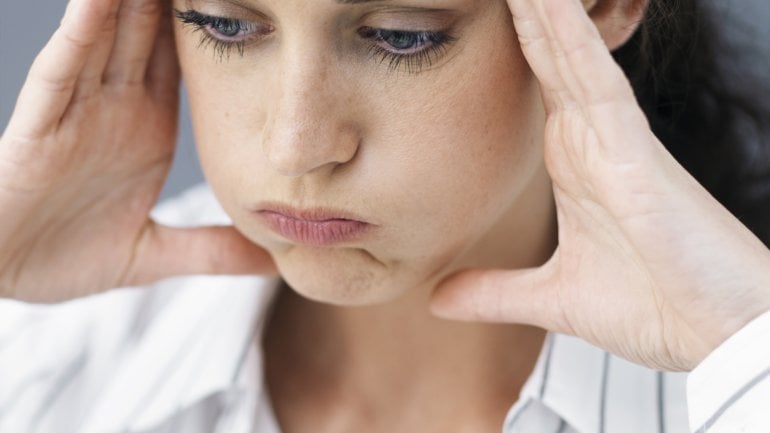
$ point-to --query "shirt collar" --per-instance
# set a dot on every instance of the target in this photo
(571, 383)
(592, 391)
(206, 338)
(566, 384)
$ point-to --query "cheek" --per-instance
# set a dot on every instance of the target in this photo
(442, 158)
(468, 143)
(227, 125)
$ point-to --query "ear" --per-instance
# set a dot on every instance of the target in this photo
(617, 20)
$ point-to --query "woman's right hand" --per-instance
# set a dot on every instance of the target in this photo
(85, 156)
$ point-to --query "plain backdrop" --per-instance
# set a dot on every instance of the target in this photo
(25, 25)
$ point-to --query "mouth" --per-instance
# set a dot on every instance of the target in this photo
(313, 227)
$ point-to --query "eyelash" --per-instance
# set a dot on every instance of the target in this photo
(414, 60)
(205, 24)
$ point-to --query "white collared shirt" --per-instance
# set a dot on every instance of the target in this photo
(180, 356)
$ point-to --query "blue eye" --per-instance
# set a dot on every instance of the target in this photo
(224, 33)
(229, 28)
(402, 40)
(413, 49)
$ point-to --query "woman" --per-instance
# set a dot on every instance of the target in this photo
(370, 151)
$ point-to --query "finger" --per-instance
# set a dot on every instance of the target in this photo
(589, 68)
(163, 71)
(91, 77)
(526, 296)
(536, 46)
(54, 74)
(558, 55)
(164, 252)
(138, 22)
(594, 79)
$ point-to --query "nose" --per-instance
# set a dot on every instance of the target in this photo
(310, 126)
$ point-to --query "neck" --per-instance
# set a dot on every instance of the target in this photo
(397, 362)
(396, 366)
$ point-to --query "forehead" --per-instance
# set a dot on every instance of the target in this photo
(307, 4)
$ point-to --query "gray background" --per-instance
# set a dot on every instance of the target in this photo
(25, 25)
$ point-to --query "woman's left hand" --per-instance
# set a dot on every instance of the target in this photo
(649, 265)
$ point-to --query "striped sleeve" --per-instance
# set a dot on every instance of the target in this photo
(730, 390)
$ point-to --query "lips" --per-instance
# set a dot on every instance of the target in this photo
(314, 227)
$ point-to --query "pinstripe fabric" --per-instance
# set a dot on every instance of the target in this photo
(740, 369)
(179, 357)
(590, 391)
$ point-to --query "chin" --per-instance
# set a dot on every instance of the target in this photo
(342, 278)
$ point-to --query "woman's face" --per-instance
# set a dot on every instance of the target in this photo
(372, 147)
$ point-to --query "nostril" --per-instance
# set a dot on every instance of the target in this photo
(297, 148)
(287, 169)
(288, 159)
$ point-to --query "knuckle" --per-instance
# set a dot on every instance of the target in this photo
(86, 92)
(143, 7)
(584, 48)
(110, 23)
(58, 84)
(76, 40)
(528, 40)
(124, 80)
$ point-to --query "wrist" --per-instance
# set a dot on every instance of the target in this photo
(730, 326)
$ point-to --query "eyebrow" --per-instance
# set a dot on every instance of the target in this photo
(355, 2)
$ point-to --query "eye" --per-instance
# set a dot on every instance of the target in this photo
(403, 41)
(415, 49)
(230, 29)
(223, 33)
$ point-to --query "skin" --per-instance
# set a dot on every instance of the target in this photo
(648, 265)
(81, 167)
(442, 164)
(641, 254)
(308, 118)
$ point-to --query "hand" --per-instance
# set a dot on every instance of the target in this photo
(84, 158)
(649, 266)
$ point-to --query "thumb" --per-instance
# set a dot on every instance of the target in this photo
(526, 296)
(163, 252)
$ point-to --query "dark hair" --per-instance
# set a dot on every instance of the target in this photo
(704, 104)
